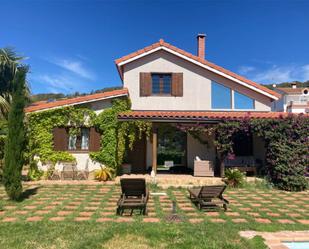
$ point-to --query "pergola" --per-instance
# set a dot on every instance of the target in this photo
(190, 117)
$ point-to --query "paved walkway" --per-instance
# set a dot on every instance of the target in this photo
(98, 203)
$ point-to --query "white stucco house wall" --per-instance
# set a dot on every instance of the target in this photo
(168, 85)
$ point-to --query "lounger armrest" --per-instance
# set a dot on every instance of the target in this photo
(192, 193)
(223, 199)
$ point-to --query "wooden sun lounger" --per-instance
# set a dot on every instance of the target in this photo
(134, 195)
(208, 197)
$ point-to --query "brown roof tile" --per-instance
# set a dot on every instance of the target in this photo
(43, 105)
(199, 115)
(162, 43)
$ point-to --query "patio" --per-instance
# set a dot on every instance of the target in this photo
(97, 203)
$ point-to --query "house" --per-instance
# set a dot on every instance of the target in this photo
(293, 99)
(169, 87)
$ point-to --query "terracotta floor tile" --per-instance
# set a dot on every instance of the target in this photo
(239, 220)
(124, 219)
(231, 213)
(21, 212)
(86, 214)
(57, 218)
(212, 214)
(35, 218)
(151, 220)
(196, 220)
(42, 212)
(64, 213)
(82, 218)
(245, 209)
(104, 219)
(262, 220)
(9, 219)
(253, 214)
(306, 222)
(107, 213)
(285, 221)
(30, 207)
(217, 220)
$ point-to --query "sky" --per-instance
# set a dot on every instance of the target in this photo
(71, 45)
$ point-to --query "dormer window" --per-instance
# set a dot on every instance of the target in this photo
(161, 84)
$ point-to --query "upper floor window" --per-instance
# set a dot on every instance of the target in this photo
(242, 101)
(161, 83)
(221, 96)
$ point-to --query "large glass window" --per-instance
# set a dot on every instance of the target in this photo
(161, 83)
(242, 101)
(220, 96)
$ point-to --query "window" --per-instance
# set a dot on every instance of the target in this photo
(220, 96)
(79, 141)
(242, 101)
(161, 84)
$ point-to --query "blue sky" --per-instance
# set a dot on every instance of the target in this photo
(71, 45)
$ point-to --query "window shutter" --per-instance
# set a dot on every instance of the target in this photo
(145, 84)
(94, 140)
(177, 84)
(60, 139)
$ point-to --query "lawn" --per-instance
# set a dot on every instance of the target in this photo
(83, 216)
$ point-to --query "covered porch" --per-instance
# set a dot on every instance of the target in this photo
(175, 150)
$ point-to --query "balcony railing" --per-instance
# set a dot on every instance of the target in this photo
(296, 99)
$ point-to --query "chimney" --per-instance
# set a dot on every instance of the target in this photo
(201, 45)
(294, 85)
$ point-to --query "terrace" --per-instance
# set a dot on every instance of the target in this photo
(93, 207)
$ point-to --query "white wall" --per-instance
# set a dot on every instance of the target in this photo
(196, 85)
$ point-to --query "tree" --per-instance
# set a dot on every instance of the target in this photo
(10, 64)
(15, 142)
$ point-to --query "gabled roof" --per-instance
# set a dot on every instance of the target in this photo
(45, 105)
(196, 60)
(290, 90)
(201, 116)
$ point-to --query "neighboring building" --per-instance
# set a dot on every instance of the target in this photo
(168, 85)
(294, 99)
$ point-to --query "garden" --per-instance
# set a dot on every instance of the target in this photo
(83, 216)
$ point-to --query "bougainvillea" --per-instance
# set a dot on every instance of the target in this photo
(287, 146)
(286, 142)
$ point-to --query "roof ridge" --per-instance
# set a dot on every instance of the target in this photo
(162, 43)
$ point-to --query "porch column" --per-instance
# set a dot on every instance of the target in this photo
(154, 148)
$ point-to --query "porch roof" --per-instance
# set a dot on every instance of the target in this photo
(200, 116)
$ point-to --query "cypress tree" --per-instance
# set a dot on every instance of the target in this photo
(15, 142)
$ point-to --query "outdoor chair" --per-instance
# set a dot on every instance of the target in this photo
(83, 174)
(69, 171)
(208, 197)
(134, 195)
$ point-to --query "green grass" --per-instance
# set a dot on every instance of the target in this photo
(137, 233)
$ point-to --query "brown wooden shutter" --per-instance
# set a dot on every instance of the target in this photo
(145, 84)
(177, 84)
(60, 139)
(94, 140)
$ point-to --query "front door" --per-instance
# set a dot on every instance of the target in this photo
(137, 156)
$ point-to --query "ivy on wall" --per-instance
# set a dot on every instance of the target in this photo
(117, 136)
(40, 131)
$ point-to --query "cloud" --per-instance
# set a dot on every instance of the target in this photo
(245, 69)
(277, 74)
(74, 66)
(56, 83)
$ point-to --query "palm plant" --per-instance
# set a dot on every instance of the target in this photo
(10, 64)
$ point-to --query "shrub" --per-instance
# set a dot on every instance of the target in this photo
(15, 142)
(104, 174)
(234, 178)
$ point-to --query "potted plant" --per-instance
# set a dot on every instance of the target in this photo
(104, 174)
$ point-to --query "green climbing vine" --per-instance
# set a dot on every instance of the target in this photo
(40, 131)
(117, 136)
